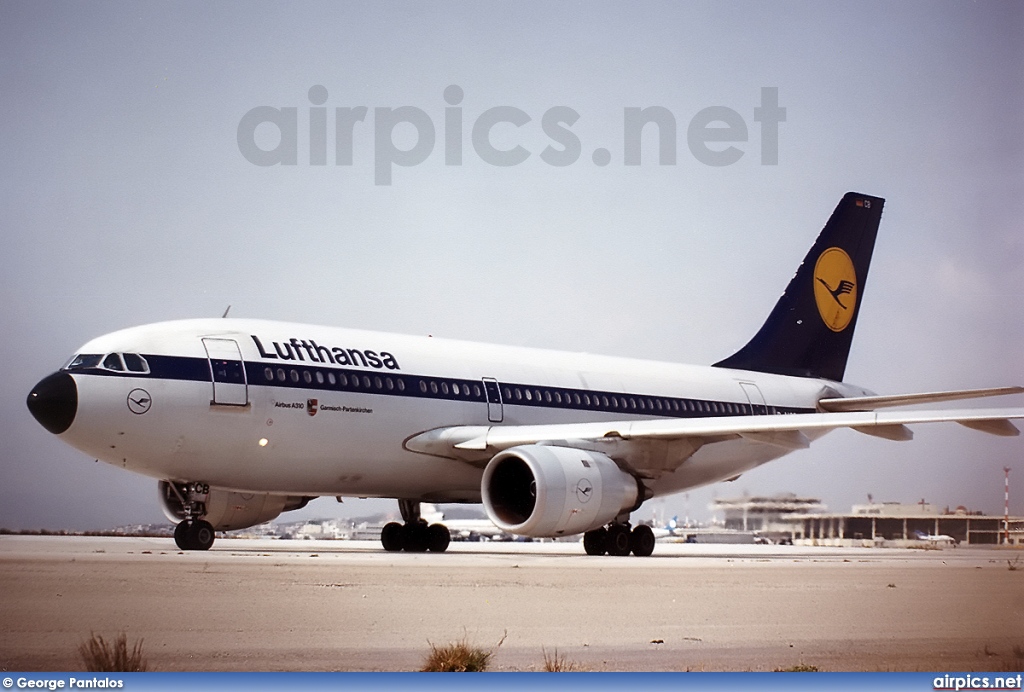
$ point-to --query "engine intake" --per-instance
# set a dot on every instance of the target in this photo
(545, 491)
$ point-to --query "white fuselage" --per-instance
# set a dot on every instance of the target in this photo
(297, 424)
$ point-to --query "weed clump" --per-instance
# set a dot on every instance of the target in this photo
(558, 663)
(459, 657)
(99, 656)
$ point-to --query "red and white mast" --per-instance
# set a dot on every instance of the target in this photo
(1006, 508)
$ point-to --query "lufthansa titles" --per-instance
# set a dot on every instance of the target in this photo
(311, 351)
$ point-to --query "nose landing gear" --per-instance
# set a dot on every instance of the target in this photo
(188, 501)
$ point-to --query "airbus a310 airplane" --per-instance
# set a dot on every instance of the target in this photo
(241, 420)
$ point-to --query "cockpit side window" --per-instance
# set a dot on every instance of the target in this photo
(135, 363)
(84, 361)
(113, 362)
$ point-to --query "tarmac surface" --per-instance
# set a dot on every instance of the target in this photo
(269, 605)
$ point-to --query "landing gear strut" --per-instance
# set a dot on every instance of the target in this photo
(414, 536)
(618, 539)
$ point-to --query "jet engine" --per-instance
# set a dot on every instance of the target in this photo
(224, 509)
(544, 491)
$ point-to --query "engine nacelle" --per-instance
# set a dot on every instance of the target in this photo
(228, 510)
(544, 491)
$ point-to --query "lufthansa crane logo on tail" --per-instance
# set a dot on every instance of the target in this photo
(835, 288)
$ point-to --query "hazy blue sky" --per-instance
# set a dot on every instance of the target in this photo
(127, 200)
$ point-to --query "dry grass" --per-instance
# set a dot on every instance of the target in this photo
(557, 663)
(459, 657)
(98, 656)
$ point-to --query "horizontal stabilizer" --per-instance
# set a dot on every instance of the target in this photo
(870, 403)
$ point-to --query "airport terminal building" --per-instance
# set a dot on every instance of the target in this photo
(787, 518)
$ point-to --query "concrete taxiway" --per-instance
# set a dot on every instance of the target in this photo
(257, 605)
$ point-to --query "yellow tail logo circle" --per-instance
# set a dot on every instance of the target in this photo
(835, 288)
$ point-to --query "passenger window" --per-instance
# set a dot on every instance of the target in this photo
(295, 375)
(331, 378)
(113, 362)
(319, 377)
(268, 373)
(366, 381)
(390, 383)
(280, 375)
(423, 386)
(401, 385)
(455, 388)
(378, 383)
(444, 388)
(307, 376)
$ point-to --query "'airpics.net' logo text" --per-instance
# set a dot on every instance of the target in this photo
(711, 134)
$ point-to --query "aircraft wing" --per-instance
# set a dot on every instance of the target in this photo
(653, 447)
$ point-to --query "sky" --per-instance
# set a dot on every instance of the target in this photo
(132, 192)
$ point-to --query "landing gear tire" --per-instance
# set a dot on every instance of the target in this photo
(617, 542)
(194, 535)
(415, 535)
(181, 536)
(392, 537)
(201, 535)
(438, 538)
(641, 541)
(594, 542)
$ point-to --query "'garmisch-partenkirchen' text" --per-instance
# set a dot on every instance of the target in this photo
(293, 349)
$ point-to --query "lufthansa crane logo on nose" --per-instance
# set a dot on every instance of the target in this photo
(139, 401)
(584, 491)
(835, 288)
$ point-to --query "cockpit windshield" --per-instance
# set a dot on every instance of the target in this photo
(113, 362)
(83, 361)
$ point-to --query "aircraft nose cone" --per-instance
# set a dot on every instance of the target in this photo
(54, 402)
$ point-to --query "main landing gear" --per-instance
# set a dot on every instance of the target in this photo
(415, 535)
(618, 539)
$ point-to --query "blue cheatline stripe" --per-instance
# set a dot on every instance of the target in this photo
(513, 682)
(390, 383)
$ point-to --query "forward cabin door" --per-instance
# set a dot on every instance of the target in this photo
(227, 371)
(495, 411)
